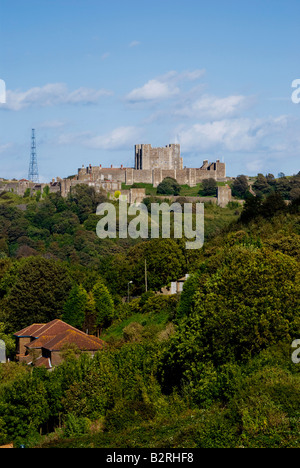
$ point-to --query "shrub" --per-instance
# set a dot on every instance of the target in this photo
(76, 425)
(209, 187)
(128, 413)
(168, 186)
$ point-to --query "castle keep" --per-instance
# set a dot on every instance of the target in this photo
(147, 157)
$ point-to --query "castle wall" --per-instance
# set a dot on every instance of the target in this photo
(136, 195)
(94, 173)
(143, 176)
(152, 166)
(129, 176)
(224, 196)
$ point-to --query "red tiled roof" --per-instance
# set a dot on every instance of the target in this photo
(38, 329)
(42, 361)
(55, 334)
(81, 340)
(39, 342)
(30, 331)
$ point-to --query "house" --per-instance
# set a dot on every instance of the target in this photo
(176, 287)
(42, 344)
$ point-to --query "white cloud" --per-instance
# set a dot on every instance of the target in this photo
(187, 75)
(152, 91)
(163, 87)
(190, 75)
(50, 95)
(118, 139)
(86, 96)
(212, 107)
(233, 135)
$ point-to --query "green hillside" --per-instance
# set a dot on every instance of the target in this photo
(209, 368)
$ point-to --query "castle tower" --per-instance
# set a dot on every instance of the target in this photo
(167, 158)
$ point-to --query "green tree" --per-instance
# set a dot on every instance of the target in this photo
(295, 193)
(261, 186)
(209, 187)
(284, 186)
(34, 290)
(240, 186)
(46, 191)
(90, 314)
(242, 305)
(27, 193)
(23, 406)
(75, 306)
(41, 215)
(168, 186)
(104, 305)
(8, 340)
(251, 209)
(165, 262)
(273, 204)
(65, 222)
(83, 200)
(271, 179)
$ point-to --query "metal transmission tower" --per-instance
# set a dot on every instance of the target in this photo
(33, 173)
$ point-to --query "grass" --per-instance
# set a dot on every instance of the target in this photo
(186, 190)
(217, 218)
(152, 323)
(149, 189)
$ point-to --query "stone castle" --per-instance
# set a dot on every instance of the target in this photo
(151, 166)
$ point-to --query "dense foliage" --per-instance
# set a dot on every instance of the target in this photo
(287, 187)
(208, 368)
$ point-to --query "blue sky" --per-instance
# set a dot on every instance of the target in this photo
(94, 78)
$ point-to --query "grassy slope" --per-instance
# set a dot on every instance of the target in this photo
(186, 190)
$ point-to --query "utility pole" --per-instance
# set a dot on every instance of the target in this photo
(33, 173)
(128, 298)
